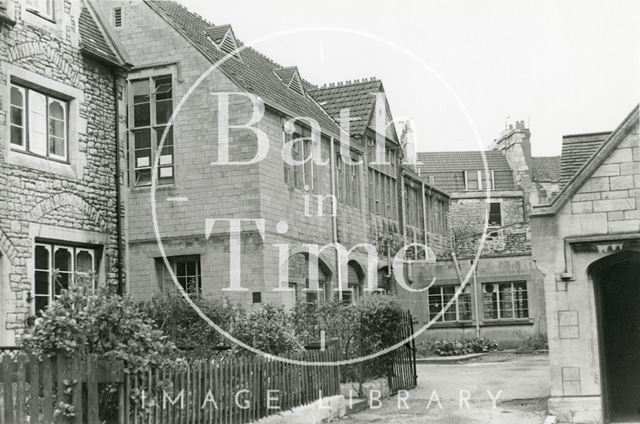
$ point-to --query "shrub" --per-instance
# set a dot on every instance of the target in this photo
(192, 335)
(458, 347)
(534, 343)
(269, 329)
(80, 321)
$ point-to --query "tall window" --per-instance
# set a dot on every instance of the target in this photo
(303, 177)
(152, 107)
(505, 300)
(43, 8)
(57, 267)
(38, 123)
(187, 272)
(495, 214)
(460, 310)
(382, 194)
(348, 181)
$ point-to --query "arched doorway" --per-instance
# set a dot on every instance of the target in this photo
(617, 288)
(355, 278)
(300, 283)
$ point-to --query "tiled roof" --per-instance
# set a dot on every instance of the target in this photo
(445, 169)
(254, 71)
(576, 150)
(459, 161)
(546, 168)
(93, 40)
(356, 96)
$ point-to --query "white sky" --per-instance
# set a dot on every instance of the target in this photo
(564, 67)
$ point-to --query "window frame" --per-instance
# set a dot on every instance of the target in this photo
(456, 305)
(155, 130)
(173, 261)
(52, 247)
(499, 204)
(49, 98)
(37, 6)
(498, 300)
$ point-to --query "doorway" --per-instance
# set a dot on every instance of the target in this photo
(618, 302)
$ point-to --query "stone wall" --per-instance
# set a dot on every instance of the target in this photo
(40, 198)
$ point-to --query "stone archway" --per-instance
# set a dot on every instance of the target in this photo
(355, 282)
(616, 281)
(299, 278)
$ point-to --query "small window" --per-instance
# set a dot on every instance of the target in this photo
(440, 296)
(57, 267)
(117, 17)
(505, 300)
(256, 297)
(38, 123)
(473, 180)
(187, 272)
(43, 8)
(495, 214)
(314, 297)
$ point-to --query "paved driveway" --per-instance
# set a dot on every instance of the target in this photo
(519, 383)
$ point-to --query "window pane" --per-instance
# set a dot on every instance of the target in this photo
(142, 139)
(490, 301)
(42, 283)
(56, 110)
(17, 96)
(17, 116)
(62, 259)
(164, 109)
(37, 123)
(163, 87)
(141, 115)
(57, 147)
(506, 300)
(143, 177)
(84, 261)
(17, 136)
(41, 302)
(140, 91)
(42, 258)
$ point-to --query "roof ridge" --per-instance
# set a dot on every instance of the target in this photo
(349, 82)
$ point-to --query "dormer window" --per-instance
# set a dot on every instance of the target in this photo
(291, 78)
(477, 180)
(224, 39)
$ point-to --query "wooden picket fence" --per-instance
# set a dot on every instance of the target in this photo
(229, 390)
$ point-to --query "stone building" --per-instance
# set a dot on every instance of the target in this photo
(61, 81)
(504, 299)
(586, 240)
(284, 207)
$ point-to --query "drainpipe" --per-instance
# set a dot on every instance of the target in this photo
(404, 221)
(334, 214)
(476, 293)
(424, 216)
(119, 208)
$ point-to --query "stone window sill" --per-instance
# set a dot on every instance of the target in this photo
(506, 322)
(41, 164)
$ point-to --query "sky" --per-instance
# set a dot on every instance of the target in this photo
(461, 70)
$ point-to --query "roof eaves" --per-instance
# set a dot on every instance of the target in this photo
(590, 166)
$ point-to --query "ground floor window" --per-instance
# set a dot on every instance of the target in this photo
(505, 300)
(187, 272)
(57, 267)
(440, 296)
(314, 297)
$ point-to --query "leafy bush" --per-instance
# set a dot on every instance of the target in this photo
(534, 343)
(184, 327)
(80, 321)
(269, 329)
(458, 347)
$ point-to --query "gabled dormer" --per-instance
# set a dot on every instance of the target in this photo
(291, 78)
(224, 39)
